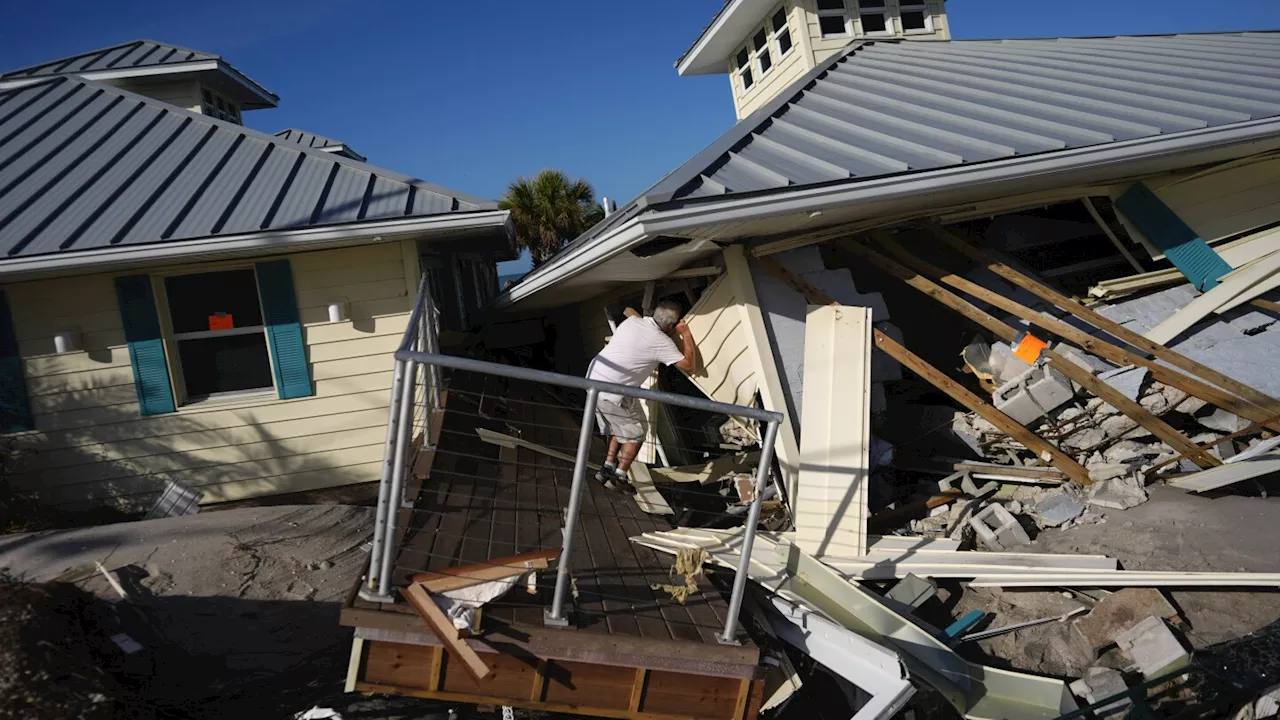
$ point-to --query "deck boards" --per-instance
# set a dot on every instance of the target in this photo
(483, 502)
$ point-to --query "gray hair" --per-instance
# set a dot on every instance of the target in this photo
(667, 314)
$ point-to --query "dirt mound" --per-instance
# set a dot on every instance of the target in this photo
(52, 659)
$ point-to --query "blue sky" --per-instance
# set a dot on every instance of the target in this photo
(472, 99)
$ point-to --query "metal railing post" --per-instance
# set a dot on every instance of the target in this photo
(556, 616)
(730, 635)
(404, 424)
(384, 488)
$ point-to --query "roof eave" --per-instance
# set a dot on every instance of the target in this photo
(258, 243)
(710, 53)
(928, 188)
(264, 98)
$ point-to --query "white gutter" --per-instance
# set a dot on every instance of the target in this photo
(258, 243)
(1030, 173)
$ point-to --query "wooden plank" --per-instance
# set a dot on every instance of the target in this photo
(1083, 340)
(1267, 404)
(680, 693)
(464, 576)
(1111, 235)
(444, 629)
(353, 665)
(539, 688)
(500, 439)
(939, 380)
(435, 672)
(744, 697)
(1073, 371)
(831, 507)
(787, 447)
(637, 689)
(1227, 438)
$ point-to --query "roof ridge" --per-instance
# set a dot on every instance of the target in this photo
(27, 70)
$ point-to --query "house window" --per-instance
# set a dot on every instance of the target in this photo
(219, 333)
(745, 78)
(215, 105)
(833, 18)
(915, 16)
(875, 17)
(781, 32)
(761, 43)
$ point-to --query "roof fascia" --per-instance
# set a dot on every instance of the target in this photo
(697, 60)
(259, 243)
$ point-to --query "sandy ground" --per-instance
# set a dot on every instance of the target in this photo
(1175, 531)
(239, 608)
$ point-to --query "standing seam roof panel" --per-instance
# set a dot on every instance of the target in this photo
(429, 203)
(165, 208)
(855, 160)
(1169, 59)
(303, 194)
(345, 196)
(794, 165)
(252, 206)
(822, 115)
(216, 199)
(23, 117)
(16, 161)
(388, 200)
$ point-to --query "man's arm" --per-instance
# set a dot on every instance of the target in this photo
(689, 362)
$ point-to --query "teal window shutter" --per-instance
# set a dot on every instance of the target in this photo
(284, 330)
(146, 346)
(15, 408)
(1184, 248)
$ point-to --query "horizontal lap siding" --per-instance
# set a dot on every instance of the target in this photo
(784, 72)
(91, 445)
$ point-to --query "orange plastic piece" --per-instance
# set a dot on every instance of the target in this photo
(222, 321)
(1028, 348)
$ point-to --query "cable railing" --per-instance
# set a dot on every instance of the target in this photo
(414, 397)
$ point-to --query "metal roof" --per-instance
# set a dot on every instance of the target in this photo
(85, 165)
(132, 58)
(884, 108)
(319, 142)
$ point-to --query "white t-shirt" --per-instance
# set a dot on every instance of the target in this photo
(638, 345)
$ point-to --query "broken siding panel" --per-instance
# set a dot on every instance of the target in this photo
(725, 371)
(831, 506)
(92, 446)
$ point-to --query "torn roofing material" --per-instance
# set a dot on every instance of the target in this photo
(84, 165)
(319, 142)
(133, 58)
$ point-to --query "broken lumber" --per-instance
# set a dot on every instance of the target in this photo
(1224, 439)
(1080, 375)
(1210, 393)
(463, 576)
(933, 376)
(1267, 404)
(443, 628)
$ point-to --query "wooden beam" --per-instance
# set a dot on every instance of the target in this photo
(1268, 404)
(1071, 370)
(1207, 446)
(539, 689)
(637, 689)
(1111, 235)
(463, 576)
(958, 392)
(744, 696)
(1097, 346)
(435, 671)
(1265, 305)
(443, 628)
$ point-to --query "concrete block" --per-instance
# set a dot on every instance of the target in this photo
(913, 591)
(1223, 421)
(1118, 493)
(1128, 380)
(1118, 612)
(1030, 396)
(1057, 509)
(1098, 684)
(997, 528)
(1089, 362)
(1100, 472)
(1153, 647)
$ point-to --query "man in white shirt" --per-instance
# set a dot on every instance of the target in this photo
(631, 356)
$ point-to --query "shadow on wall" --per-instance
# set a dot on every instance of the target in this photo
(88, 458)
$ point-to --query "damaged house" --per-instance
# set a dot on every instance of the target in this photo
(944, 293)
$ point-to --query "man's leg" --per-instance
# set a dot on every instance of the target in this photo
(629, 453)
(612, 457)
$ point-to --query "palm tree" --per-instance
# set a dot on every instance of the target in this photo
(549, 210)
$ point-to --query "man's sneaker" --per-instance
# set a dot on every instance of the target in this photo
(606, 474)
(620, 483)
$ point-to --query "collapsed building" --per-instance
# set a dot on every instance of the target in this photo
(988, 287)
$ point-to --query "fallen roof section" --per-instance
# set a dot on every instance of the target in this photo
(86, 166)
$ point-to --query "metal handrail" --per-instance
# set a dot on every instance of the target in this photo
(400, 417)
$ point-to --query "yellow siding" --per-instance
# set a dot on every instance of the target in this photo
(784, 72)
(92, 446)
(825, 48)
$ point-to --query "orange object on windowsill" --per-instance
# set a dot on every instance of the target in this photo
(222, 321)
(1028, 348)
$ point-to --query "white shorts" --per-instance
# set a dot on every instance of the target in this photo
(623, 420)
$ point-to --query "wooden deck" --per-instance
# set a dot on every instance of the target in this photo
(632, 651)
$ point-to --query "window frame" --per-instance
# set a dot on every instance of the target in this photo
(843, 13)
(763, 50)
(210, 100)
(921, 6)
(743, 70)
(886, 11)
(177, 374)
(775, 33)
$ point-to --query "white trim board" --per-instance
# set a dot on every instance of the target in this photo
(1228, 474)
(1241, 285)
(830, 505)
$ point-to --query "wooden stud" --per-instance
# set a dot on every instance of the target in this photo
(933, 376)
(637, 689)
(1111, 235)
(444, 629)
(353, 665)
(464, 576)
(744, 696)
(1268, 404)
(1071, 370)
(539, 688)
(1097, 346)
(1265, 305)
(1239, 433)
(435, 672)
